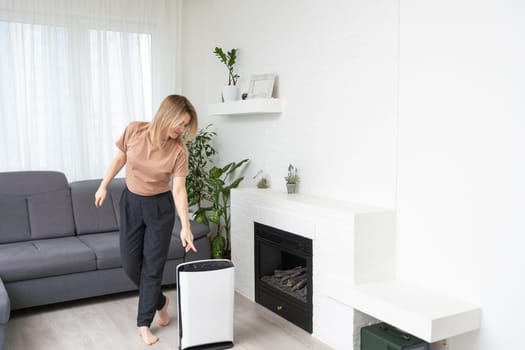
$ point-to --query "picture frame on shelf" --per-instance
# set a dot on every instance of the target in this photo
(261, 86)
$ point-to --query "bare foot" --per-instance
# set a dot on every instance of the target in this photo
(147, 337)
(164, 318)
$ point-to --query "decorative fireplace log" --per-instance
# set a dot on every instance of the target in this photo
(290, 282)
(299, 285)
(291, 279)
(296, 273)
(283, 273)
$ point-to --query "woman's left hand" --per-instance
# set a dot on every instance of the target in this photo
(186, 238)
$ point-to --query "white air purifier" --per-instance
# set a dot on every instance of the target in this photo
(205, 295)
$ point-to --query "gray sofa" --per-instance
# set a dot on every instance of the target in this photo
(4, 312)
(56, 246)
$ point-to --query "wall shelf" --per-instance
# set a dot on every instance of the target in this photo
(424, 313)
(247, 107)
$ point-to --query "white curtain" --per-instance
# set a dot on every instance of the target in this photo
(73, 74)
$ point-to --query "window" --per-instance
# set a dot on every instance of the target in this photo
(67, 93)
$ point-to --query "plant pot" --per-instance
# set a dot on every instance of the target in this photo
(291, 188)
(230, 93)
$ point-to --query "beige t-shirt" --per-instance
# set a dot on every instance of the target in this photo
(149, 170)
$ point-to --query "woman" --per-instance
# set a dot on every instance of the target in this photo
(154, 154)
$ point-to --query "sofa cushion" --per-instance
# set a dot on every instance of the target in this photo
(26, 183)
(39, 206)
(43, 258)
(197, 229)
(176, 250)
(88, 218)
(14, 222)
(106, 247)
(50, 214)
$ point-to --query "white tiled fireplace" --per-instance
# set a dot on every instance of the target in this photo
(352, 244)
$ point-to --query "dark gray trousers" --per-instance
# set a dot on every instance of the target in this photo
(146, 224)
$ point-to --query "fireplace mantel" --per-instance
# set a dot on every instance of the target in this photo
(352, 243)
(353, 267)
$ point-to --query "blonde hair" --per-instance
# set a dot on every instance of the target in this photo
(171, 111)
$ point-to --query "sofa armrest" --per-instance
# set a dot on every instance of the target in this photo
(5, 306)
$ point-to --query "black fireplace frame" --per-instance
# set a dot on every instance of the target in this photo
(287, 306)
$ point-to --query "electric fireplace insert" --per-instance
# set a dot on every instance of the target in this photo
(283, 274)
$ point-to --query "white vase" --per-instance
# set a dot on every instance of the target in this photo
(230, 93)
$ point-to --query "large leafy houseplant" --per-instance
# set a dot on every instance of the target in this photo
(201, 153)
(219, 185)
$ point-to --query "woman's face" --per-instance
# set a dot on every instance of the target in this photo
(177, 128)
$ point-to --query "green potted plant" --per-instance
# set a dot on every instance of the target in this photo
(219, 185)
(201, 153)
(292, 179)
(263, 182)
(229, 92)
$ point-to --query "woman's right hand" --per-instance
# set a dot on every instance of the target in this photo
(117, 164)
(100, 196)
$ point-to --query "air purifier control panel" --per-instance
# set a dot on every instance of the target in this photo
(205, 265)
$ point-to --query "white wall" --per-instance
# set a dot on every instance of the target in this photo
(461, 122)
(461, 158)
(334, 60)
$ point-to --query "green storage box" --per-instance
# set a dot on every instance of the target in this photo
(382, 336)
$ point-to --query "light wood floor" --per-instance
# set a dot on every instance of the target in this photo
(109, 323)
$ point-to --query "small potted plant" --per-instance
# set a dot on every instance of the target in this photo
(229, 92)
(263, 182)
(291, 179)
